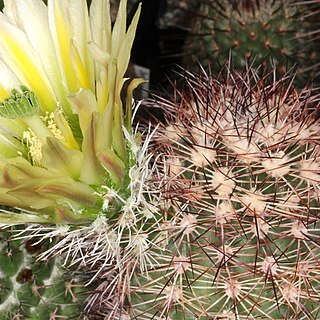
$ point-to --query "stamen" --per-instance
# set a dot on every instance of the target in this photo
(34, 146)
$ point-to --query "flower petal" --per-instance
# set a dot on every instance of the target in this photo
(32, 18)
(81, 35)
(100, 19)
(21, 58)
(99, 55)
(61, 33)
(119, 29)
(69, 134)
(83, 103)
(79, 67)
(126, 45)
(8, 79)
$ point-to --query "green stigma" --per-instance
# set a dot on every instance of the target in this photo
(19, 104)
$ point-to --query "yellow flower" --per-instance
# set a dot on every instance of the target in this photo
(62, 129)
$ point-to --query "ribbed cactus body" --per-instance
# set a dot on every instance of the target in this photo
(240, 236)
(30, 289)
(279, 31)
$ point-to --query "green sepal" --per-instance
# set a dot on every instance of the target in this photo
(114, 165)
(35, 188)
(77, 194)
(22, 218)
(57, 157)
(94, 140)
(133, 85)
(118, 142)
(13, 127)
(27, 198)
(10, 147)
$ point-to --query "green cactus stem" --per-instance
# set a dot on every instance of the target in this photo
(30, 289)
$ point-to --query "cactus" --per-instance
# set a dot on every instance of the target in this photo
(30, 289)
(241, 220)
(73, 169)
(281, 31)
(71, 166)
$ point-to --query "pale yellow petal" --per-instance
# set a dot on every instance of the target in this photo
(66, 130)
(10, 14)
(61, 32)
(119, 29)
(79, 68)
(101, 24)
(99, 55)
(32, 17)
(81, 35)
(119, 144)
(102, 90)
(4, 94)
(101, 35)
(126, 45)
(20, 57)
(8, 79)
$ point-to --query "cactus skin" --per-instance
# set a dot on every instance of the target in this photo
(241, 181)
(282, 31)
(35, 290)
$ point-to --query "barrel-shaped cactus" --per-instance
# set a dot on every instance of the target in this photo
(241, 179)
(283, 33)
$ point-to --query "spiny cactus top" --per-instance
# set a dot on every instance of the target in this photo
(283, 32)
(240, 232)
